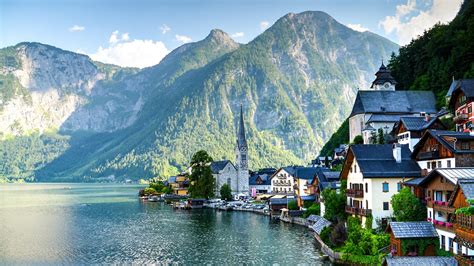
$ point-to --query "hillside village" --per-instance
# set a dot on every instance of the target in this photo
(401, 142)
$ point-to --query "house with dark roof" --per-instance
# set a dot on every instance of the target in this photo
(439, 186)
(259, 181)
(409, 129)
(374, 173)
(462, 200)
(303, 177)
(224, 172)
(381, 106)
(403, 234)
(283, 181)
(324, 179)
(460, 102)
(444, 149)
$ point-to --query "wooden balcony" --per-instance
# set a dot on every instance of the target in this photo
(460, 118)
(355, 193)
(440, 206)
(464, 259)
(428, 155)
(465, 221)
(358, 211)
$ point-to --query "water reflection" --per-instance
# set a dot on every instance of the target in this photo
(84, 223)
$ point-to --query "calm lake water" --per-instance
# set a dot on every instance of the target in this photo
(94, 223)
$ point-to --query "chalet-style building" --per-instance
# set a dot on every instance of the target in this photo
(283, 181)
(259, 182)
(462, 200)
(179, 184)
(303, 177)
(409, 129)
(439, 186)
(374, 173)
(460, 97)
(381, 106)
(403, 234)
(324, 179)
(416, 189)
(224, 172)
(444, 149)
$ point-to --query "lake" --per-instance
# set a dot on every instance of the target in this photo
(106, 223)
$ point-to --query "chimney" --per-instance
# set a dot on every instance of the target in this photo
(427, 117)
(397, 152)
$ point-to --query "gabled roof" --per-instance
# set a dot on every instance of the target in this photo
(418, 123)
(320, 224)
(394, 102)
(376, 160)
(412, 229)
(383, 118)
(172, 179)
(467, 187)
(264, 175)
(414, 181)
(445, 138)
(451, 174)
(420, 261)
(464, 85)
(218, 166)
(307, 173)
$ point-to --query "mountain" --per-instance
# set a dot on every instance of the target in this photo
(296, 82)
(430, 62)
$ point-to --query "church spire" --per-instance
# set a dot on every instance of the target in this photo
(241, 141)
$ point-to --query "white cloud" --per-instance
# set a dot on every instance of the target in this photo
(183, 38)
(411, 20)
(237, 35)
(130, 53)
(76, 28)
(165, 28)
(357, 27)
(264, 25)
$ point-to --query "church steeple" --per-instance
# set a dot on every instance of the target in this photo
(384, 79)
(241, 141)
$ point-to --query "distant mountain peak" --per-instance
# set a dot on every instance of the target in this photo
(220, 36)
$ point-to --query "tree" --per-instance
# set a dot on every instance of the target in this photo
(358, 140)
(334, 205)
(380, 136)
(315, 208)
(373, 137)
(406, 207)
(202, 181)
(292, 205)
(226, 192)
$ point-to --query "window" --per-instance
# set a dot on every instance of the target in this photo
(433, 165)
(465, 145)
(443, 242)
(385, 187)
(428, 165)
(449, 163)
(366, 188)
(355, 168)
(399, 186)
(450, 243)
(228, 181)
(440, 214)
(366, 204)
(439, 164)
(385, 206)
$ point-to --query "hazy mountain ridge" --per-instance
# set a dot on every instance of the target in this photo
(296, 82)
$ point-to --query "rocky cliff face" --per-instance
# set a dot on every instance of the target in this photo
(296, 81)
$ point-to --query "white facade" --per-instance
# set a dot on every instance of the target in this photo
(226, 176)
(374, 197)
(282, 182)
(302, 186)
(405, 138)
(439, 163)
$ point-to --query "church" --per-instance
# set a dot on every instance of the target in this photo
(381, 106)
(235, 175)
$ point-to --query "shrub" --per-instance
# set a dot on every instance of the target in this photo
(407, 207)
(292, 205)
(313, 209)
(149, 191)
(226, 192)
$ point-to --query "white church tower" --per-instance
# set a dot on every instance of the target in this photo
(384, 80)
(241, 162)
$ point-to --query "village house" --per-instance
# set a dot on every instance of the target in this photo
(463, 200)
(283, 181)
(303, 177)
(380, 107)
(444, 149)
(374, 173)
(179, 184)
(404, 236)
(259, 182)
(409, 129)
(439, 186)
(324, 179)
(460, 97)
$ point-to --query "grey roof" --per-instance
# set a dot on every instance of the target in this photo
(452, 174)
(313, 218)
(415, 181)
(442, 136)
(413, 229)
(218, 166)
(421, 261)
(417, 123)
(263, 174)
(467, 187)
(241, 140)
(376, 160)
(172, 179)
(283, 201)
(394, 102)
(452, 87)
(383, 75)
(330, 185)
(383, 118)
(320, 224)
(307, 173)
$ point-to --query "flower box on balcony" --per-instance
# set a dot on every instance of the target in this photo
(440, 223)
(449, 225)
(446, 203)
(428, 219)
(428, 198)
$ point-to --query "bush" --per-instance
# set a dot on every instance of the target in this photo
(407, 207)
(313, 209)
(292, 205)
(325, 236)
(307, 204)
(226, 192)
(358, 140)
(149, 191)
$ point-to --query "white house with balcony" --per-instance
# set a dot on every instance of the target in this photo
(283, 181)
(409, 129)
(374, 173)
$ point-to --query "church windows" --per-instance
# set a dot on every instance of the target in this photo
(228, 181)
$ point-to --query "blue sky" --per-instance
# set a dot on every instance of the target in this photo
(139, 33)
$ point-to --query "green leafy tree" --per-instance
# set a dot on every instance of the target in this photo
(334, 204)
(149, 191)
(202, 181)
(226, 192)
(292, 205)
(358, 140)
(406, 207)
(313, 209)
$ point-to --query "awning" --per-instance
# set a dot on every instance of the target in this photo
(279, 197)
